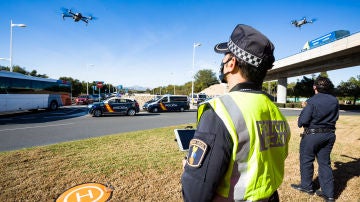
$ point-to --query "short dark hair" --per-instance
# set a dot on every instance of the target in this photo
(323, 85)
(250, 72)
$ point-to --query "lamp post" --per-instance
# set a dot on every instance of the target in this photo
(11, 28)
(87, 82)
(193, 66)
(172, 74)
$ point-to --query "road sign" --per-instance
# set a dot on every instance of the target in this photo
(100, 84)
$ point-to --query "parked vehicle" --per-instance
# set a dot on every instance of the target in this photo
(168, 103)
(201, 98)
(84, 99)
(327, 38)
(19, 92)
(114, 105)
(97, 98)
(197, 98)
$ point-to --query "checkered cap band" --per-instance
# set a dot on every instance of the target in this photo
(243, 55)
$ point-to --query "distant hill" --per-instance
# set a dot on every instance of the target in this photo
(138, 88)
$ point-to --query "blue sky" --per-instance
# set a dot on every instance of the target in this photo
(150, 43)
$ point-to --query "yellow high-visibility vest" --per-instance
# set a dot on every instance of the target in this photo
(260, 136)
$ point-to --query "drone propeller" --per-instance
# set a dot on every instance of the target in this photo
(312, 20)
(91, 17)
(64, 10)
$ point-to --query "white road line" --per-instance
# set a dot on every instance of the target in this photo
(24, 128)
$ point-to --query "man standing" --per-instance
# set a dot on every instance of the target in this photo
(318, 118)
(241, 142)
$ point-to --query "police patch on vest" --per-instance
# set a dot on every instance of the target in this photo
(197, 150)
(272, 134)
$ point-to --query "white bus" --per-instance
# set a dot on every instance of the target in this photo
(19, 92)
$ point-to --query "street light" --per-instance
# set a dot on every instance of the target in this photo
(172, 74)
(11, 26)
(87, 82)
(192, 82)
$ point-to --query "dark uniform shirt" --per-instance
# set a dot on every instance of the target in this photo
(200, 184)
(321, 111)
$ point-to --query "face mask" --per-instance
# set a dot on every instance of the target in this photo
(221, 73)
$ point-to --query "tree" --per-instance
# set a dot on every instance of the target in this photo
(324, 74)
(76, 86)
(4, 68)
(304, 88)
(20, 70)
(270, 87)
(203, 79)
(350, 88)
(290, 90)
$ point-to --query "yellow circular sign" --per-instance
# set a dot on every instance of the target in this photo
(89, 192)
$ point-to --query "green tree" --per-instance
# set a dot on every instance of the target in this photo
(76, 86)
(203, 79)
(350, 88)
(324, 74)
(304, 88)
(4, 68)
(20, 70)
(270, 87)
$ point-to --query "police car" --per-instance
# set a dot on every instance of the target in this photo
(114, 105)
(168, 103)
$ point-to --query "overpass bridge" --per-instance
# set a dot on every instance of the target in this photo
(339, 54)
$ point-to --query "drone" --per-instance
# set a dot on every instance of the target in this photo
(299, 23)
(76, 16)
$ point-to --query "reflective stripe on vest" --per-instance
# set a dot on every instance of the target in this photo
(253, 172)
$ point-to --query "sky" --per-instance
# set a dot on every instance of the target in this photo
(149, 43)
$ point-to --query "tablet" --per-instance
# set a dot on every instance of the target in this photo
(183, 137)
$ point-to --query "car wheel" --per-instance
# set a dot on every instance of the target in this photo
(97, 113)
(131, 112)
(182, 109)
(155, 110)
(53, 105)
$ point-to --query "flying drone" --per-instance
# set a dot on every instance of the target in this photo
(76, 16)
(299, 23)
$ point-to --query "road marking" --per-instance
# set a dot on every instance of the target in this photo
(24, 128)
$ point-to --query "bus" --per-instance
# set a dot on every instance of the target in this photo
(19, 92)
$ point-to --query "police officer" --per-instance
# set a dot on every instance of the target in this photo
(241, 142)
(318, 118)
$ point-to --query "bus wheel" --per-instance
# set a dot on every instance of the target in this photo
(53, 105)
(97, 113)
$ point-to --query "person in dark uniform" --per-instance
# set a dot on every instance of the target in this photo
(318, 118)
(241, 142)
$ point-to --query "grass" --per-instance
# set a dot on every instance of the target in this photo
(146, 166)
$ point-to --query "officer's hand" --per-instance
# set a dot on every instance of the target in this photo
(303, 104)
(184, 162)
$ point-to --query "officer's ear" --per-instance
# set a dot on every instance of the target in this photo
(233, 64)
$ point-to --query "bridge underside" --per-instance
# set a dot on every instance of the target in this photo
(331, 62)
(340, 54)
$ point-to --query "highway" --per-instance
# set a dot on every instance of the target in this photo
(24, 130)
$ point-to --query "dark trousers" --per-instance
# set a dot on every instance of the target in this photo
(317, 145)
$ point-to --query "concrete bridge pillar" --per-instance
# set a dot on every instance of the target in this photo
(281, 90)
